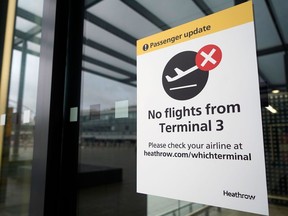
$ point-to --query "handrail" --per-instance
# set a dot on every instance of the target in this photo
(199, 211)
(174, 210)
(278, 197)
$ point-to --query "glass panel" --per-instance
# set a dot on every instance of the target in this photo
(23, 24)
(265, 29)
(104, 37)
(219, 5)
(272, 66)
(168, 11)
(107, 146)
(124, 18)
(18, 141)
(103, 57)
(281, 8)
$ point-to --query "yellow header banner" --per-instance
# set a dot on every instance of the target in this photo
(210, 24)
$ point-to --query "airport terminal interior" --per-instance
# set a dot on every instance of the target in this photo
(106, 140)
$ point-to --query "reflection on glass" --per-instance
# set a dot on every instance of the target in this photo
(107, 165)
(18, 139)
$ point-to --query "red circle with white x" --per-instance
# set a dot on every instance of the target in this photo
(208, 57)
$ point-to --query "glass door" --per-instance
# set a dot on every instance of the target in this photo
(18, 94)
(108, 142)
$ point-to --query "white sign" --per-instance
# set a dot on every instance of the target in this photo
(199, 129)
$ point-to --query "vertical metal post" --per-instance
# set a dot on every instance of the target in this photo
(49, 110)
(55, 155)
(191, 207)
(207, 212)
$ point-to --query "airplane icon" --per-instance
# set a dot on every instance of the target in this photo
(186, 73)
(180, 73)
(207, 58)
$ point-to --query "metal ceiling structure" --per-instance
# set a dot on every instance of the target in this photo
(109, 46)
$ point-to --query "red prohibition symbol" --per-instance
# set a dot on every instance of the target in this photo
(208, 57)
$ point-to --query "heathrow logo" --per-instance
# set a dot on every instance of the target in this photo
(186, 74)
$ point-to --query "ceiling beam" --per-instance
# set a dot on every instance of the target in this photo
(108, 51)
(271, 50)
(146, 14)
(109, 67)
(263, 76)
(203, 7)
(110, 28)
(28, 35)
(239, 1)
(276, 23)
(25, 36)
(29, 16)
(125, 81)
(90, 3)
